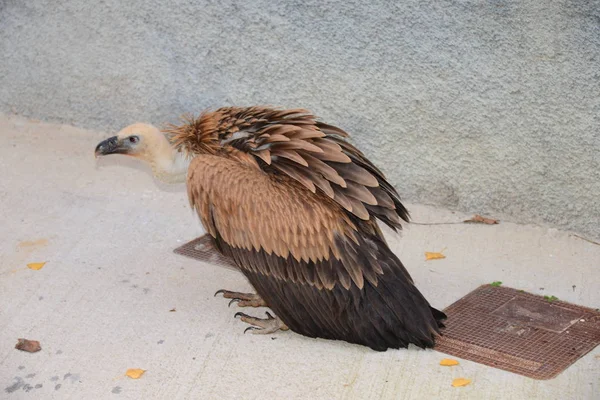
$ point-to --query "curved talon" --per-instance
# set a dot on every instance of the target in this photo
(233, 301)
(219, 291)
(262, 326)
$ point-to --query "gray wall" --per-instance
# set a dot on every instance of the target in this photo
(489, 107)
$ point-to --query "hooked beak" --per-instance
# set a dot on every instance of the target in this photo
(111, 145)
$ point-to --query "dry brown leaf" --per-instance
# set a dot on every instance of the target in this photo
(30, 346)
(458, 382)
(478, 219)
(433, 256)
(448, 362)
(36, 266)
(135, 373)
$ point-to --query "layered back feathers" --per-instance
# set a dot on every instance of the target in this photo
(294, 144)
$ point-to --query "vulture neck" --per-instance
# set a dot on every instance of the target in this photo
(169, 165)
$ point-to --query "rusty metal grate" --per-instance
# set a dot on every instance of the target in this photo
(496, 326)
(202, 249)
(519, 332)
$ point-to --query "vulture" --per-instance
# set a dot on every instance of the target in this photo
(295, 207)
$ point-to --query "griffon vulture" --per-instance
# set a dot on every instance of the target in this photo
(295, 207)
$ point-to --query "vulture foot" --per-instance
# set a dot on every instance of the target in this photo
(243, 299)
(262, 326)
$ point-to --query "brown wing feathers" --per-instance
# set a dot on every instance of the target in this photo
(251, 211)
(311, 152)
(297, 215)
(391, 313)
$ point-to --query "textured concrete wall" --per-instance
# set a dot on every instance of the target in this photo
(490, 107)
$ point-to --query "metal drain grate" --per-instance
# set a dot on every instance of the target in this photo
(519, 332)
(496, 326)
(202, 249)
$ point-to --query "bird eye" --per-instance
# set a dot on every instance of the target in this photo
(134, 139)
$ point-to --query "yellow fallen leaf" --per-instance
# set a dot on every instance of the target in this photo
(135, 373)
(36, 266)
(448, 362)
(458, 382)
(433, 256)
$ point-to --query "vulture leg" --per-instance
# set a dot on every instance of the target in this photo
(262, 326)
(243, 299)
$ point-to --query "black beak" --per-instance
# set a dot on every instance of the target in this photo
(111, 145)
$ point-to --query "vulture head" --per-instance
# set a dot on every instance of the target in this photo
(146, 142)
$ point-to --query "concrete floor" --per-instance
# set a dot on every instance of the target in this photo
(102, 302)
